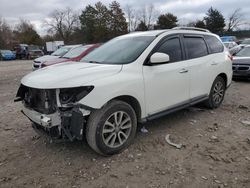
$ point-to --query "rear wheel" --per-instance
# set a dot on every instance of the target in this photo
(112, 128)
(217, 93)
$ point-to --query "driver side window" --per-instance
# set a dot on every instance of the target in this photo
(172, 47)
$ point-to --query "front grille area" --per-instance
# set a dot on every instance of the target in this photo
(241, 67)
(40, 100)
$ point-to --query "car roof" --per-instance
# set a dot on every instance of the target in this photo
(156, 33)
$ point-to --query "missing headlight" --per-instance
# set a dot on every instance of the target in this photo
(71, 95)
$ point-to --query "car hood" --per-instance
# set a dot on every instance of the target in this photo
(241, 60)
(69, 74)
(46, 58)
(55, 61)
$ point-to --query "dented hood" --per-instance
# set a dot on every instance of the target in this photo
(70, 74)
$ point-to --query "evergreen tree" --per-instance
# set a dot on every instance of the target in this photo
(166, 21)
(118, 24)
(142, 26)
(215, 21)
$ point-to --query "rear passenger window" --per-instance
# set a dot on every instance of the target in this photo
(172, 47)
(215, 46)
(195, 47)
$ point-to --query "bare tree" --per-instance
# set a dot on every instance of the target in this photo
(6, 35)
(132, 17)
(235, 20)
(148, 15)
(62, 23)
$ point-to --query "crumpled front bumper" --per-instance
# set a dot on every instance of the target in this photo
(45, 120)
(66, 125)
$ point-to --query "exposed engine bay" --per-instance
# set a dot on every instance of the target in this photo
(55, 111)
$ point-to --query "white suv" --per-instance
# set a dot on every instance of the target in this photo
(133, 78)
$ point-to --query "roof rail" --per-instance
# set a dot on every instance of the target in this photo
(193, 28)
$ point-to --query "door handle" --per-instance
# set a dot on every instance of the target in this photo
(214, 63)
(183, 71)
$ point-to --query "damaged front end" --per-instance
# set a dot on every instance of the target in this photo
(56, 111)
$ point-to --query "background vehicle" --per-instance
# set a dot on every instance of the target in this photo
(21, 51)
(241, 63)
(76, 54)
(245, 42)
(229, 39)
(230, 45)
(53, 46)
(58, 53)
(7, 55)
(34, 52)
(132, 78)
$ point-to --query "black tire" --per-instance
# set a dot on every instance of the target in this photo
(212, 101)
(100, 119)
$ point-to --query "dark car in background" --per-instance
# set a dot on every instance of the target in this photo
(21, 51)
(7, 55)
(76, 54)
(241, 63)
(34, 52)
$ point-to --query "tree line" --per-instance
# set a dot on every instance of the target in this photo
(99, 23)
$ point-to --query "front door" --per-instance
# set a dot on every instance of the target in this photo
(167, 84)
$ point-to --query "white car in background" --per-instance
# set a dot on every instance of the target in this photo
(230, 45)
(130, 79)
(58, 53)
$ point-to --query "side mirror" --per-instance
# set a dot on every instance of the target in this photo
(159, 58)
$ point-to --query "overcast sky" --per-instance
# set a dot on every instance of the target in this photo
(186, 10)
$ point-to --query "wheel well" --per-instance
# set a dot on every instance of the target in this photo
(133, 102)
(224, 76)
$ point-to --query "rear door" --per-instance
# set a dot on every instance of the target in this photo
(199, 65)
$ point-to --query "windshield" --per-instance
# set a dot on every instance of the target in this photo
(244, 52)
(120, 50)
(33, 48)
(247, 41)
(226, 44)
(75, 52)
(61, 51)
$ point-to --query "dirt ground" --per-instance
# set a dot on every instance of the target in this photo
(216, 150)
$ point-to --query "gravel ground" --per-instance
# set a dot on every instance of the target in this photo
(216, 150)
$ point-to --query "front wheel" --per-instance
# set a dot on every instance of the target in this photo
(112, 128)
(217, 93)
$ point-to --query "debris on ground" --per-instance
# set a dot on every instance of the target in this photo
(248, 140)
(243, 107)
(245, 122)
(203, 177)
(213, 128)
(214, 139)
(193, 121)
(144, 130)
(167, 138)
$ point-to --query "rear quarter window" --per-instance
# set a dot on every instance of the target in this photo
(195, 47)
(214, 44)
